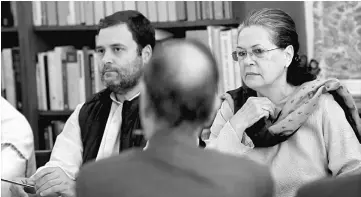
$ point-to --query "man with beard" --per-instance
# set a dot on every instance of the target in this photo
(108, 122)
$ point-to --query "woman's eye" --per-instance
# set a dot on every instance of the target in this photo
(242, 53)
(258, 51)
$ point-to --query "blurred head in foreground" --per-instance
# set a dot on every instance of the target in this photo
(179, 88)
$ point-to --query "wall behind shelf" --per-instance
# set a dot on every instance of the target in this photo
(9, 39)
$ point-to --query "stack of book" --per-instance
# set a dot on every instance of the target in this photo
(90, 12)
(222, 41)
(61, 77)
(11, 76)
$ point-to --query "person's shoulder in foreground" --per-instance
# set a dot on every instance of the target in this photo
(241, 176)
(100, 177)
(137, 173)
(349, 186)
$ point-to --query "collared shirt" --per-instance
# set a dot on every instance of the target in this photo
(17, 146)
(68, 149)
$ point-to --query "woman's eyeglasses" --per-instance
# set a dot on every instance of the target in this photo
(242, 54)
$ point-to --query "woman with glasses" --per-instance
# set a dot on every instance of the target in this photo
(301, 127)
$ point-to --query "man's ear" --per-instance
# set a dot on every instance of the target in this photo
(289, 53)
(147, 53)
(216, 105)
(144, 102)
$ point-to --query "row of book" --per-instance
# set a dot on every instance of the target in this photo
(61, 77)
(10, 76)
(222, 41)
(61, 73)
(90, 12)
(51, 132)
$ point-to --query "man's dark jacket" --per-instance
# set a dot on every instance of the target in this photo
(93, 117)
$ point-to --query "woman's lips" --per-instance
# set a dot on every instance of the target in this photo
(251, 73)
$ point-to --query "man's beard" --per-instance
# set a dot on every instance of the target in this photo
(129, 78)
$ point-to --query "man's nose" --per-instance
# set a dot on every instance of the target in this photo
(107, 58)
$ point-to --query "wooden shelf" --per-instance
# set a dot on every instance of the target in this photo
(65, 28)
(159, 25)
(9, 30)
(50, 114)
(195, 24)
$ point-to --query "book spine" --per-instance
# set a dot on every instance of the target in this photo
(47, 58)
(36, 6)
(42, 98)
(51, 13)
(99, 11)
(181, 10)
(142, 8)
(162, 7)
(62, 12)
(17, 77)
(89, 12)
(227, 9)
(237, 69)
(9, 77)
(218, 10)
(82, 12)
(129, 5)
(71, 16)
(153, 11)
(108, 8)
(14, 12)
(82, 88)
(73, 76)
(3, 85)
(44, 13)
(191, 11)
(118, 6)
(199, 10)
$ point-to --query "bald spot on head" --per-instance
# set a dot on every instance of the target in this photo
(181, 80)
(187, 63)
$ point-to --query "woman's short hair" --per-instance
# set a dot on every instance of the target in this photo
(283, 33)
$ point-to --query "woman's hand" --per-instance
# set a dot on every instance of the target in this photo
(253, 110)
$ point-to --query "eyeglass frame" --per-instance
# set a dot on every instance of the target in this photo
(235, 56)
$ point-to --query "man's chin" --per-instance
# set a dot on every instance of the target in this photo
(118, 88)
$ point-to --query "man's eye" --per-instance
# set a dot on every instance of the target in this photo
(100, 51)
(258, 51)
(242, 53)
(117, 49)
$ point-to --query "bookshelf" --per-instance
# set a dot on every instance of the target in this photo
(34, 39)
(9, 37)
(188, 25)
(55, 113)
(9, 30)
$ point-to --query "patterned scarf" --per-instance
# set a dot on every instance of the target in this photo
(295, 112)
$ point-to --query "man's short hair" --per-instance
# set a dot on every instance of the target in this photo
(141, 28)
(168, 96)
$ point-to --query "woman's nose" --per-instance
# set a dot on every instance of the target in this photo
(248, 60)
